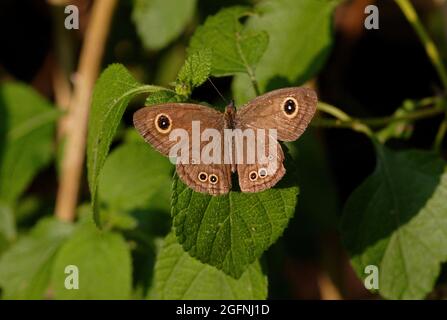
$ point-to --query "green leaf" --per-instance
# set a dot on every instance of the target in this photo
(230, 232)
(26, 137)
(131, 176)
(103, 262)
(397, 220)
(25, 268)
(194, 72)
(300, 37)
(113, 92)
(159, 22)
(179, 276)
(7, 222)
(234, 49)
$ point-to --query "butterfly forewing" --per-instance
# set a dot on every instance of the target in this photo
(157, 123)
(288, 110)
(284, 112)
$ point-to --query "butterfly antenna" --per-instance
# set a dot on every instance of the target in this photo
(217, 90)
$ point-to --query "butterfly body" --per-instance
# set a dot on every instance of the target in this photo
(218, 144)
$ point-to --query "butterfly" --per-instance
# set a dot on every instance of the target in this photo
(279, 115)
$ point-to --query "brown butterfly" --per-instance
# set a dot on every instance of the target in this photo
(285, 111)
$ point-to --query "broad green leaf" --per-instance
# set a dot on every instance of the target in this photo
(397, 221)
(103, 262)
(131, 176)
(230, 232)
(113, 91)
(26, 137)
(234, 49)
(194, 72)
(25, 268)
(159, 22)
(300, 37)
(179, 276)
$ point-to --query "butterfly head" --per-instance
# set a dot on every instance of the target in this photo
(230, 109)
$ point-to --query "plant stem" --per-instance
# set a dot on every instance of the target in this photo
(379, 121)
(255, 84)
(430, 48)
(415, 115)
(343, 120)
(249, 69)
(88, 70)
(437, 145)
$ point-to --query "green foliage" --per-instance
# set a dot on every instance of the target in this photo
(162, 97)
(179, 276)
(397, 219)
(159, 22)
(300, 38)
(25, 268)
(231, 231)
(113, 92)
(194, 72)
(132, 175)
(26, 131)
(210, 247)
(103, 261)
(7, 224)
(234, 49)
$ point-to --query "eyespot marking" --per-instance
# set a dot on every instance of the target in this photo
(253, 176)
(290, 107)
(262, 172)
(213, 178)
(203, 176)
(163, 123)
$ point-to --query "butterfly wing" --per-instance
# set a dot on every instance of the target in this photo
(156, 123)
(217, 182)
(257, 177)
(289, 112)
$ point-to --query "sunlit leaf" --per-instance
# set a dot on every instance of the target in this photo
(159, 22)
(113, 92)
(25, 267)
(102, 259)
(179, 276)
(230, 232)
(234, 49)
(300, 38)
(132, 174)
(194, 72)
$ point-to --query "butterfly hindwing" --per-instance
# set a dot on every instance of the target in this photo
(214, 179)
(261, 176)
